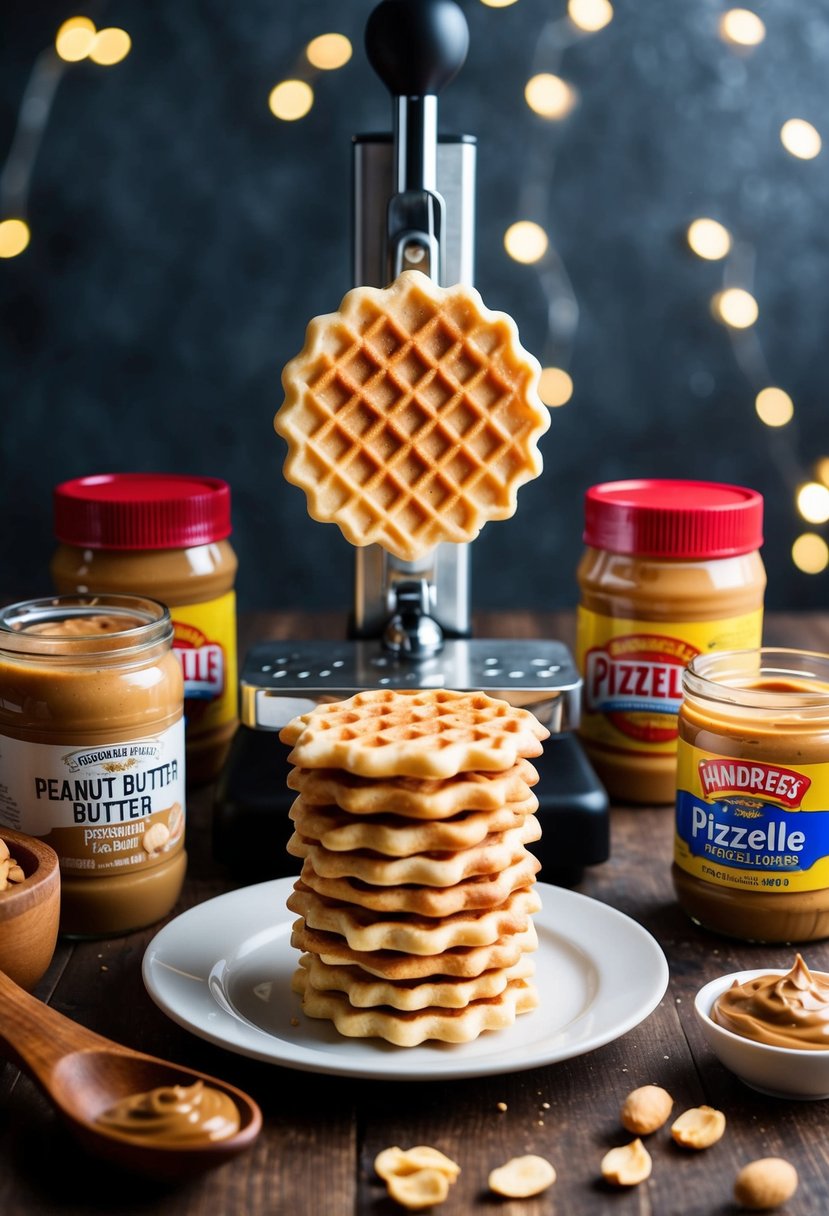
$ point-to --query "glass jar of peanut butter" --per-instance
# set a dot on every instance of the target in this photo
(165, 536)
(751, 856)
(671, 570)
(92, 753)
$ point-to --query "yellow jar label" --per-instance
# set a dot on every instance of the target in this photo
(632, 671)
(204, 642)
(751, 824)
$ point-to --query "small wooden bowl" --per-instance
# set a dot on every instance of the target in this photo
(29, 910)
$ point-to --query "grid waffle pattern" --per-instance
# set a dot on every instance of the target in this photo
(428, 733)
(412, 416)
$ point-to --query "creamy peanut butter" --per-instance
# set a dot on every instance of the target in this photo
(671, 570)
(751, 855)
(174, 1115)
(92, 753)
(82, 626)
(789, 1010)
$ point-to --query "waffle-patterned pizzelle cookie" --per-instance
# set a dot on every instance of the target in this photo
(412, 797)
(408, 1028)
(493, 854)
(397, 965)
(409, 933)
(412, 416)
(483, 891)
(366, 992)
(394, 836)
(431, 733)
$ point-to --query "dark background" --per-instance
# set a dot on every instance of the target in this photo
(182, 237)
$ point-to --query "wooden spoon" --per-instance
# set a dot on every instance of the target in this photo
(85, 1074)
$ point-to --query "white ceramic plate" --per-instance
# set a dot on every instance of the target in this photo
(223, 971)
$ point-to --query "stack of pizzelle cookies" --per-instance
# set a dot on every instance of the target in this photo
(416, 894)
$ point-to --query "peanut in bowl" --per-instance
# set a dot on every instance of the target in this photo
(782, 1072)
(29, 907)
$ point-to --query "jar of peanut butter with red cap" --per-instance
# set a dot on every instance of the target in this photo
(163, 535)
(92, 753)
(751, 850)
(672, 569)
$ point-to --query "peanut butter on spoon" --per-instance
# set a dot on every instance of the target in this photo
(789, 1010)
(174, 1114)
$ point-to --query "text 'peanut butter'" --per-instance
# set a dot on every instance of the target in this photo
(92, 755)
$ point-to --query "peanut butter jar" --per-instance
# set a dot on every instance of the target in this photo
(92, 753)
(751, 854)
(165, 536)
(671, 570)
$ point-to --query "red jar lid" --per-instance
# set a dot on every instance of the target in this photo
(142, 511)
(692, 519)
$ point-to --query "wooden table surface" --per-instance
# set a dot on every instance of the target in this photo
(321, 1134)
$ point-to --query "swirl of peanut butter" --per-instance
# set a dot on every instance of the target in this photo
(83, 626)
(781, 1010)
(174, 1115)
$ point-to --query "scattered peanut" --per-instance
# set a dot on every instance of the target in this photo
(699, 1127)
(395, 1162)
(521, 1177)
(417, 1177)
(765, 1184)
(422, 1189)
(628, 1165)
(155, 837)
(646, 1110)
(10, 871)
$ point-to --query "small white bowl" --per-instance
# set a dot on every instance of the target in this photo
(783, 1072)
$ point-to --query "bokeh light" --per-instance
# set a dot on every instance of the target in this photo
(328, 52)
(14, 237)
(709, 239)
(735, 307)
(526, 242)
(549, 95)
(555, 386)
(800, 138)
(810, 553)
(291, 99)
(590, 15)
(74, 39)
(498, 3)
(813, 502)
(822, 470)
(742, 27)
(110, 46)
(774, 406)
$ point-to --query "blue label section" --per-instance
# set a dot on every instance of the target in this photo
(760, 837)
(637, 705)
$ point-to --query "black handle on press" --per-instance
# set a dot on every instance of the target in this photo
(417, 47)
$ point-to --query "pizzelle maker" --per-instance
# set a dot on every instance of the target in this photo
(413, 208)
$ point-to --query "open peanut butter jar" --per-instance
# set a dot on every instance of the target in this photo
(92, 753)
(751, 856)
